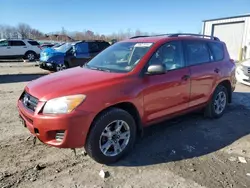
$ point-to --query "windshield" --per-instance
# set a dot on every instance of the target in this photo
(120, 57)
(63, 48)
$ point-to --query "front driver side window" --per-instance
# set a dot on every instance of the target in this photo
(170, 55)
(3, 43)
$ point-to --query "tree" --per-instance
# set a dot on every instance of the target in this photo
(24, 30)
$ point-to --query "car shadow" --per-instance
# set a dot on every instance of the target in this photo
(191, 135)
(15, 78)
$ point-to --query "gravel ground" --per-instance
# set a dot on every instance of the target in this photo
(191, 152)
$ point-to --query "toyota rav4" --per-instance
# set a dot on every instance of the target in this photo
(105, 104)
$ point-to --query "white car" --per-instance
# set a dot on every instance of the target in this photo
(19, 48)
(243, 72)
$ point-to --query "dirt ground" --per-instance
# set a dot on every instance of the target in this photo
(191, 152)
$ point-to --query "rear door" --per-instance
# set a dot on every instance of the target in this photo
(168, 93)
(17, 48)
(204, 70)
(94, 49)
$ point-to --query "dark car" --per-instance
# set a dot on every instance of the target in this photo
(70, 54)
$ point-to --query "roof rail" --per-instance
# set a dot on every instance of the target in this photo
(179, 34)
(134, 37)
(190, 34)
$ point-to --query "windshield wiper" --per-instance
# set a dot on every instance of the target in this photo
(97, 68)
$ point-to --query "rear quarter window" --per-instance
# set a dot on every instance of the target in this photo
(217, 50)
(33, 43)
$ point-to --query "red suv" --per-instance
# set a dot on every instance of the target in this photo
(135, 83)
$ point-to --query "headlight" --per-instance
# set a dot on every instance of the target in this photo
(63, 105)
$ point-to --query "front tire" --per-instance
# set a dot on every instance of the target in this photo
(61, 67)
(218, 103)
(112, 136)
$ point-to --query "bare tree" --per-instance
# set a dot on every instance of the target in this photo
(24, 30)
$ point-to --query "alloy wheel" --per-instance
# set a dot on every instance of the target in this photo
(220, 102)
(114, 138)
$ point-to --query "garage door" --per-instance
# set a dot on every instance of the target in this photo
(232, 35)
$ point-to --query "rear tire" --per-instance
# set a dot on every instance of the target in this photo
(31, 56)
(106, 144)
(218, 103)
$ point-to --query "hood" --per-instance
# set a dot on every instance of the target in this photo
(51, 52)
(246, 63)
(68, 82)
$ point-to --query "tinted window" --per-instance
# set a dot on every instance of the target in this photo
(103, 45)
(16, 43)
(170, 55)
(217, 50)
(82, 48)
(3, 43)
(93, 47)
(33, 43)
(197, 52)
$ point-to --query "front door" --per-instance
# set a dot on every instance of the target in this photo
(168, 93)
(4, 51)
(17, 48)
(81, 55)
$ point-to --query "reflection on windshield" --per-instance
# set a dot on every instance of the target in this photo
(63, 48)
(120, 57)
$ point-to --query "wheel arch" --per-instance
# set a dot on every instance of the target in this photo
(227, 85)
(128, 107)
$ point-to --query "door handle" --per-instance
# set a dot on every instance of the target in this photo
(216, 70)
(8, 47)
(25, 47)
(185, 77)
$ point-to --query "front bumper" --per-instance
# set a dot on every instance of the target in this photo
(47, 66)
(75, 126)
(241, 77)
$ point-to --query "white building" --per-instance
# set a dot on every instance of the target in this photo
(234, 31)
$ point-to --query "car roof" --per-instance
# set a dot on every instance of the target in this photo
(166, 37)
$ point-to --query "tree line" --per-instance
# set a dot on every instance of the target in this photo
(23, 30)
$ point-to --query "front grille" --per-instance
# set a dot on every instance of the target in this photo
(29, 101)
(248, 70)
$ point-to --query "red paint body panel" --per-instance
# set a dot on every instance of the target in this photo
(156, 97)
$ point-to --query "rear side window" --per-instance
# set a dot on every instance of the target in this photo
(197, 52)
(217, 50)
(16, 43)
(33, 43)
(93, 47)
(103, 45)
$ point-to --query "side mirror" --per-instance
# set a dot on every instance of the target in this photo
(156, 69)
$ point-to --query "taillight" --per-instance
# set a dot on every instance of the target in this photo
(232, 61)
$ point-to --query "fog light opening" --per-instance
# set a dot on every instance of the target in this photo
(59, 136)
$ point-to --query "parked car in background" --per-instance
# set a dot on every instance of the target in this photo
(46, 45)
(243, 72)
(19, 48)
(132, 84)
(71, 54)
